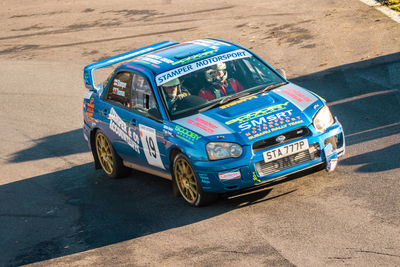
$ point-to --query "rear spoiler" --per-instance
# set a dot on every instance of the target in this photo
(88, 70)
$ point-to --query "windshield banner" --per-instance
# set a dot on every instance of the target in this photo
(178, 72)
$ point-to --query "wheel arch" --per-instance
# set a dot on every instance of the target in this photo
(172, 154)
(92, 139)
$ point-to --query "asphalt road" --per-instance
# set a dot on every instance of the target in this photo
(55, 209)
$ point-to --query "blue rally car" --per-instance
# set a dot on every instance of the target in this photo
(209, 115)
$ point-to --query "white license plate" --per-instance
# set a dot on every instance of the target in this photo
(285, 150)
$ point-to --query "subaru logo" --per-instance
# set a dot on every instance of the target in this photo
(280, 139)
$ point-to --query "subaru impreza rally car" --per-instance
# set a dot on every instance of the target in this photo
(208, 114)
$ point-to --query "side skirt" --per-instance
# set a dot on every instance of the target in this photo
(147, 170)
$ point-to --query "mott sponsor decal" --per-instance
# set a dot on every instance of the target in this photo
(175, 73)
(258, 113)
(119, 127)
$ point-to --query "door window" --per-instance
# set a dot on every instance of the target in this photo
(142, 96)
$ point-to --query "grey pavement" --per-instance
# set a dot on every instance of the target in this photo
(55, 209)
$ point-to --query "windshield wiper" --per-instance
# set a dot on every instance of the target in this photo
(225, 100)
(270, 87)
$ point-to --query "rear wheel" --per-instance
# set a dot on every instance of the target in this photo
(109, 160)
(188, 184)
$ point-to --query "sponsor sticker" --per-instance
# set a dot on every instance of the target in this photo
(163, 59)
(195, 57)
(223, 176)
(299, 97)
(209, 43)
(270, 124)
(204, 178)
(116, 91)
(258, 113)
(180, 71)
(119, 127)
(238, 102)
(255, 178)
(119, 83)
(168, 131)
(150, 146)
(90, 108)
(202, 124)
(186, 134)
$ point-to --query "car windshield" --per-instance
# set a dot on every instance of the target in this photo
(216, 84)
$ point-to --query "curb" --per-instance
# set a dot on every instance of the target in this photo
(385, 10)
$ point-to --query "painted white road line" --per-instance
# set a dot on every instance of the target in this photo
(349, 99)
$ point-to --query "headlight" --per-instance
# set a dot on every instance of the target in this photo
(223, 150)
(323, 119)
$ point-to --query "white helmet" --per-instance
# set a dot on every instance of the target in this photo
(172, 82)
(210, 73)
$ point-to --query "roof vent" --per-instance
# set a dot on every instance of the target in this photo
(189, 53)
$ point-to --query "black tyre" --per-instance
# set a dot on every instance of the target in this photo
(110, 161)
(188, 184)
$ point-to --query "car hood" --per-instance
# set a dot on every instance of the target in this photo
(256, 117)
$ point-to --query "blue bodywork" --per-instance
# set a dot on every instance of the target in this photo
(247, 121)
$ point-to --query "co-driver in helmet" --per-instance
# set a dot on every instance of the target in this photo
(219, 86)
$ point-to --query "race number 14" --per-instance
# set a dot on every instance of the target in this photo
(150, 147)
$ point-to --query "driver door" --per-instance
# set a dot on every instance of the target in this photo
(150, 128)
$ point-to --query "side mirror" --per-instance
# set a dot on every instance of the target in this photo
(282, 72)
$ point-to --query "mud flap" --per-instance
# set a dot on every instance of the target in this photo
(331, 158)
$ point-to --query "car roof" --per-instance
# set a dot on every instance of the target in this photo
(180, 54)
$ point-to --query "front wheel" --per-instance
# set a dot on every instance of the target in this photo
(109, 160)
(188, 184)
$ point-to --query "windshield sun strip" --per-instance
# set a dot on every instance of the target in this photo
(201, 64)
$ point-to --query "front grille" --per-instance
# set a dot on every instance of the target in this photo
(287, 162)
(289, 136)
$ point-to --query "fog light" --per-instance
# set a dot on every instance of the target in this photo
(333, 140)
(224, 176)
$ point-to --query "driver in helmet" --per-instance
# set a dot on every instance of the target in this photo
(173, 91)
(219, 84)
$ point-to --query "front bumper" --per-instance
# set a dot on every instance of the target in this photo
(325, 148)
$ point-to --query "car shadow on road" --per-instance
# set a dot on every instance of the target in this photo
(63, 144)
(79, 209)
(365, 96)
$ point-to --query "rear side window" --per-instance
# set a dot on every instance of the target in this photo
(119, 89)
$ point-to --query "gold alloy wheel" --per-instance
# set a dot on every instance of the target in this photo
(104, 153)
(186, 180)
